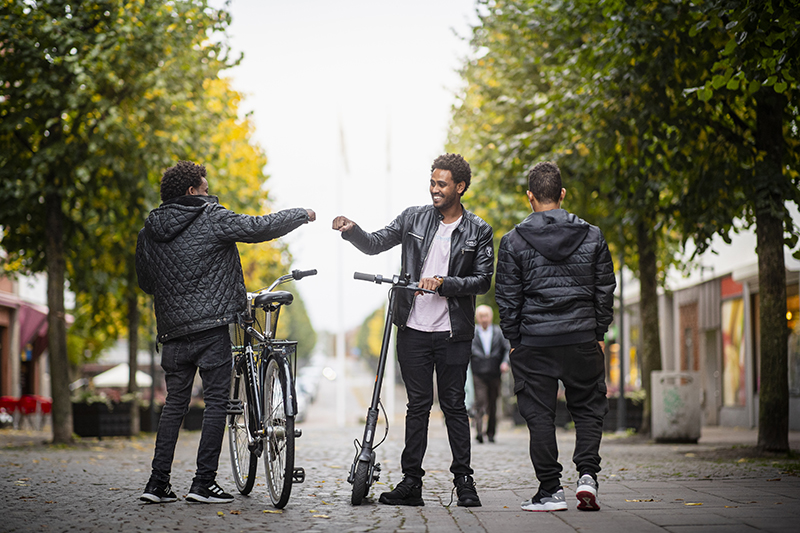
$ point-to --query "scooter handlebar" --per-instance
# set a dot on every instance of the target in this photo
(367, 277)
(396, 281)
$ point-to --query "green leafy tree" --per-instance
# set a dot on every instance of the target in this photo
(752, 89)
(74, 77)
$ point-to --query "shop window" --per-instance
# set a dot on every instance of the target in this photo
(733, 350)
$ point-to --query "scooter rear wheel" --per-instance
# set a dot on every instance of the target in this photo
(360, 483)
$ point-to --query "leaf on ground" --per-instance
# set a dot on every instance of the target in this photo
(220, 513)
(273, 511)
(692, 503)
(648, 500)
(320, 516)
(236, 512)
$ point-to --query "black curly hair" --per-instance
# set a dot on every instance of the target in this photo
(544, 181)
(177, 180)
(458, 167)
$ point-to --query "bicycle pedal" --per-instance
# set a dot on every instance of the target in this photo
(298, 475)
(298, 433)
(235, 407)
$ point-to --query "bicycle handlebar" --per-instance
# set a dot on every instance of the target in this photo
(300, 274)
(395, 280)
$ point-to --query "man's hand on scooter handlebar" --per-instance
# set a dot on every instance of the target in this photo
(431, 284)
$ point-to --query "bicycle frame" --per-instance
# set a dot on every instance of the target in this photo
(263, 400)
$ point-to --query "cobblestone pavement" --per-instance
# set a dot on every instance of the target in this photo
(716, 485)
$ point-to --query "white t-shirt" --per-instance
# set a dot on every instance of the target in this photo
(486, 339)
(429, 312)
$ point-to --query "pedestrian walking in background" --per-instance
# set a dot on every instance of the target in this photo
(555, 292)
(186, 257)
(447, 249)
(489, 360)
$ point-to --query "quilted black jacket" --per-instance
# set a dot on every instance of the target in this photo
(555, 281)
(471, 261)
(186, 257)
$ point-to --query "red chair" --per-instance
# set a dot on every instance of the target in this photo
(11, 405)
(36, 406)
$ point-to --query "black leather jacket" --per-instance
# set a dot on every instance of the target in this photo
(186, 257)
(471, 261)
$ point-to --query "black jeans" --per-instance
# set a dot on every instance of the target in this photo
(210, 351)
(536, 373)
(487, 390)
(419, 353)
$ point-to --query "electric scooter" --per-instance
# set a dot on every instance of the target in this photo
(364, 470)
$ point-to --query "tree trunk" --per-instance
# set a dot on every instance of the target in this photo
(56, 322)
(650, 351)
(133, 350)
(773, 416)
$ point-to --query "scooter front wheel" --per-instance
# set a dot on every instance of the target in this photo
(360, 482)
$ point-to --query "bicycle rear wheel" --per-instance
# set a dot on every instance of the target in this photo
(243, 461)
(279, 429)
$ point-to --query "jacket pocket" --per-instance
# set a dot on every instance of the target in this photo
(418, 237)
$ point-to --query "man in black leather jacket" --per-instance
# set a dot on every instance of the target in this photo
(555, 292)
(447, 249)
(186, 257)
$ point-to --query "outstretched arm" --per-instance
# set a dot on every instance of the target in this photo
(369, 243)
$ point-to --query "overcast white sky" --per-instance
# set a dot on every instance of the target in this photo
(380, 74)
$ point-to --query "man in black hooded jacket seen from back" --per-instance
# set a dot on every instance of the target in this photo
(186, 257)
(555, 293)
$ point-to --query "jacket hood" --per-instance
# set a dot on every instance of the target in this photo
(555, 234)
(173, 216)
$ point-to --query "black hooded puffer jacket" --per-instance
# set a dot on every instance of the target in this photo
(555, 281)
(186, 257)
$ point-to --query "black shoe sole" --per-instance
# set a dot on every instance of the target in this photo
(469, 504)
(407, 502)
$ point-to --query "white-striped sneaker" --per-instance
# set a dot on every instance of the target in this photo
(212, 493)
(587, 494)
(544, 501)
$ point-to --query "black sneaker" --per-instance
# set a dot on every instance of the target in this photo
(467, 495)
(210, 493)
(158, 492)
(407, 492)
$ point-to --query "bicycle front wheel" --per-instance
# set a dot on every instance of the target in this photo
(279, 429)
(243, 461)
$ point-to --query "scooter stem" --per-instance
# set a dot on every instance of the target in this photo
(372, 413)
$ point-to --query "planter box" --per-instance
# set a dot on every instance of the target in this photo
(100, 420)
(145, 423)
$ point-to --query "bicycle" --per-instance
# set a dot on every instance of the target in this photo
(263, 404)
(365, 471)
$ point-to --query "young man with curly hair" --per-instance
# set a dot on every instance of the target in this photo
(555, 291)
(186, 257)
(446, 249)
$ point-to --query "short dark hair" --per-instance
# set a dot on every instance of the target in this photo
(177, 180)
(458, 167)
(544, 182)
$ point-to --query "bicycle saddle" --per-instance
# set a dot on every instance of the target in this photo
(276, 297)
